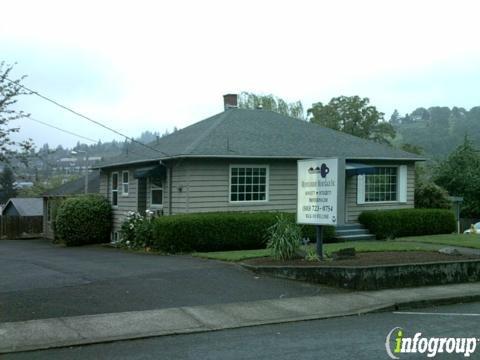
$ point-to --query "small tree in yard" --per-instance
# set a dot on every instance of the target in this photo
(6, 182)
(10, 90)
(83, 220)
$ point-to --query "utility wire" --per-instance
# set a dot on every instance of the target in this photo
(82, 116)
(60, 129)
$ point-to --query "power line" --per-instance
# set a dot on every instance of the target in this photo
(60, 129)
(83, 116)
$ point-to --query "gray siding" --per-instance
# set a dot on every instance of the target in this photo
(125, 203)
(353, 209)
(204, 186)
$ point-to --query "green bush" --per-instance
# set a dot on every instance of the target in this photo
(387, 224)
(83, 220)
(431, 196)
(284, 238)
(218, 231)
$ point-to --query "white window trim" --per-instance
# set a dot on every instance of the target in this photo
(153, 186)
(112, 190)
(125, 183)
(401, 187)
(267, 184)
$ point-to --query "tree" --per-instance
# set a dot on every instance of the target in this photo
(271, 102)
(353, 115)
(7, 180)
(10, 90)
(459, 174)
(395, 118)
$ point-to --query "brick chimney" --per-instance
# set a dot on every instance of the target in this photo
(230, 101)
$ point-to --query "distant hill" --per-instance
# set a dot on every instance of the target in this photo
(437, 130)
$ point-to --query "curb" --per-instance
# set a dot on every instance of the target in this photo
(93, 329)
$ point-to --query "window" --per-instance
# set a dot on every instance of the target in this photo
(381, 185)
(156, 192)
(114, 189)
(157, 195)
(125, 183)
(248, 183)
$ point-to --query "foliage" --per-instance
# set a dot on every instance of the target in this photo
(352, 115)
(271, 102)
(40, 188)
(218, 231)
(137, 231)
(9, 93)
(459, 174)
(7, 180)
(438, 130)
(428, 195)
(284, 238)
(390, 224)
(84, 220)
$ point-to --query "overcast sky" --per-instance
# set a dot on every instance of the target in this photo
(153, 65)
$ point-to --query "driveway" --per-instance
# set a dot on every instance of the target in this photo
(41, 280)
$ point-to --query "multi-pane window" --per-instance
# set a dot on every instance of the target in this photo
(125, 183)
(382, 185)
(248, 183)
(115, 189)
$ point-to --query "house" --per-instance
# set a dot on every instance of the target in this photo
(52, 198)
(26, 207)
(246, 160)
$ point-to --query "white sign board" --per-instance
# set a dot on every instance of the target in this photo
(317, 191)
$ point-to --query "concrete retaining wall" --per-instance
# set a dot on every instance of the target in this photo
(379, 277)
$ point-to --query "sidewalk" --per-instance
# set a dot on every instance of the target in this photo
(78, 330)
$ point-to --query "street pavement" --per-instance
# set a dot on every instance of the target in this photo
(344, 338)
(39, 280)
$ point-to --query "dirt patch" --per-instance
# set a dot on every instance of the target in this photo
(370, 259)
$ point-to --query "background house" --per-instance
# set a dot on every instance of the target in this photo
(246, 160)
(21, 218)
(53, 198)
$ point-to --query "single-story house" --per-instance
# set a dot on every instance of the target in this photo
(26, 207)
(246, 160)
(52, 198)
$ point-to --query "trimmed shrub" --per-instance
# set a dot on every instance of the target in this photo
(84, 220)
(284, 238)
(408, 222)
(219, 231)
(431, 196)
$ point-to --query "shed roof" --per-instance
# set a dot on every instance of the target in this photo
(26, 206)
(258, 133)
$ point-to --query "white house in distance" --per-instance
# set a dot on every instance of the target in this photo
(246, 160)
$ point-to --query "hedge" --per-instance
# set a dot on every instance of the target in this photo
(218, 231)
(408, 222)
(83, 220)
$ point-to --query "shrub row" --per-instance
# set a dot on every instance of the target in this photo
(218, 231)
(408, 222)
(83, 220)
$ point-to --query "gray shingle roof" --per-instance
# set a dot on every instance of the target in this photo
(26, 206)
(259, 133)
(76, 187)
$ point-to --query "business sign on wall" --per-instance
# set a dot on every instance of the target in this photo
(317, 191)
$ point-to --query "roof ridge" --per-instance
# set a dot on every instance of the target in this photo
(207, 132)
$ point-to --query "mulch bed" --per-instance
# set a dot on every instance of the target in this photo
(369, 258)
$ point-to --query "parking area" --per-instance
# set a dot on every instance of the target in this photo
(42, 280)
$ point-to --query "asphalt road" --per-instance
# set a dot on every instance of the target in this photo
(40, 280)
(357, 337)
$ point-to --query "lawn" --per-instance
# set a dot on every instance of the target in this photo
(463, 240)
(360, 246)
